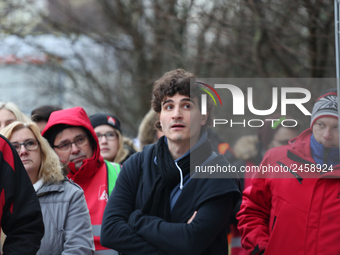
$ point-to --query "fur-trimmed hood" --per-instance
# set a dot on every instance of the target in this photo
(147, 132)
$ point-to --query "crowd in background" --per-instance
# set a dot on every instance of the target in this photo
(73, 161)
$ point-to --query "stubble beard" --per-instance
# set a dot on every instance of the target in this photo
(178, 138)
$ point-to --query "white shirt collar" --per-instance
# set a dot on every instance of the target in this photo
(38, 184)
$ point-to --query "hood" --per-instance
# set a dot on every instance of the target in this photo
(77, 117)
(300, 145)
(147, 133)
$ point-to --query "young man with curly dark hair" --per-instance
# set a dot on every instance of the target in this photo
(156, 207)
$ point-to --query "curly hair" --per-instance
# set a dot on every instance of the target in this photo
(181, 82)
(50, 167)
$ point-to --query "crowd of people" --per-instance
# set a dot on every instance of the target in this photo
(74, 184)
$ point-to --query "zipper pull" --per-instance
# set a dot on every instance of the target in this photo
(325, 155)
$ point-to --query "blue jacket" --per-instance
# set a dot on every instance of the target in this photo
(207, 234)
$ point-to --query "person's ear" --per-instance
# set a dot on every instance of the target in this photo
(204, 119)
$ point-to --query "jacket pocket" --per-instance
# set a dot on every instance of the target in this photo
(298, 177)
(59, 242)
(286, 230)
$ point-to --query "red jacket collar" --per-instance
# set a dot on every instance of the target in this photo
(300, 147)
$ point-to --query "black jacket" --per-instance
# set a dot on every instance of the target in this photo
(207, 234)
(21, 218)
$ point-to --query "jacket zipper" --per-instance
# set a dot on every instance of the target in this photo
(298, 177)
(325, 155)
(41, 194)
(274, 222)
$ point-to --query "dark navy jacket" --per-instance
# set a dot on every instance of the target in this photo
(126, 229)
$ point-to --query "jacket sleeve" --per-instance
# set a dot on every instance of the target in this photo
(21, 219)
(254, 216)
(116, 233)
(78, 228)
(181, 238)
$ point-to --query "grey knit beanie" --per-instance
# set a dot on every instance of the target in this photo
(326, 106)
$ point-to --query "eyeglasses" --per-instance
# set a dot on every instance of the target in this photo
(110, 136)
(79, 141)
(30, 145)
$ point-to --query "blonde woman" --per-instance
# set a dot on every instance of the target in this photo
(66, 218)
(10, 112)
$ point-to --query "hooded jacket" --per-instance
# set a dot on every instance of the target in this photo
(295, 210)
(92, 175)
(20, 214)
(128, 230)
(68, 228)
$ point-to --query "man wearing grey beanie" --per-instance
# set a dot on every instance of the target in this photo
(293, 208)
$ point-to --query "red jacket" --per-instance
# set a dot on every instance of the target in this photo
(20, 212)
(297, 213)
(92, 175)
